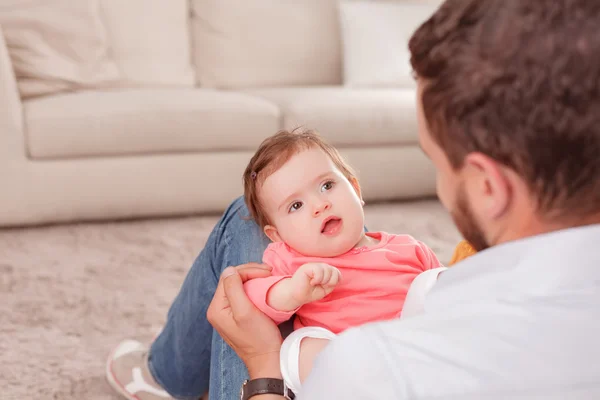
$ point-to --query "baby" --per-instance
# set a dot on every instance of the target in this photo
(327, 270)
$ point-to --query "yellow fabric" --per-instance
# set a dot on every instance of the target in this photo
(462, 251)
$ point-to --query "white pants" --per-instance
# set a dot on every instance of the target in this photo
(289, 356)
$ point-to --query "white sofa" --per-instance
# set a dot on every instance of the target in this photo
(133, 108)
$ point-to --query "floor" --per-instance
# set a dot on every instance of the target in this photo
(69, 293)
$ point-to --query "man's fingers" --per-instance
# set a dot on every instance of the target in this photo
(244, 272)
(248, 273)
(239, 303)
(254, 265)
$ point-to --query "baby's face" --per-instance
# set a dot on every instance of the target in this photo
(312, 206)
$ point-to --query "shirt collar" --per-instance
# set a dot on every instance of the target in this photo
(538, 264)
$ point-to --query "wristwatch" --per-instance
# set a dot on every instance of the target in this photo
(255, 387)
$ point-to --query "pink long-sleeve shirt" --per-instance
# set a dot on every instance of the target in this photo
(374, 282)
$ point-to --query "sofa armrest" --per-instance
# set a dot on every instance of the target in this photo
(12, 140)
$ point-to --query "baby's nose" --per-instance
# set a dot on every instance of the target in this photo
(324, 206)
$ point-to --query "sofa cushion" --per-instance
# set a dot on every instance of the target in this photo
(56, 45)
(141, 121)
(349, 117)
(375, 37)
(241, 43)
(150, 41)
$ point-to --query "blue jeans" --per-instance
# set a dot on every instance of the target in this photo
(188, 357)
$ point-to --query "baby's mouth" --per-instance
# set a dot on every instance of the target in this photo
(331, 225)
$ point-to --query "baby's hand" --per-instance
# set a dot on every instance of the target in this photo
(313, 281)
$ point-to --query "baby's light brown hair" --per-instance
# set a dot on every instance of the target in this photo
(275, 151)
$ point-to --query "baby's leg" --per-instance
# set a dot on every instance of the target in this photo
(309, 349)
(298, 353)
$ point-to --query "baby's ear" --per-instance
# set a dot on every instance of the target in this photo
(272, 233)
(356, 186)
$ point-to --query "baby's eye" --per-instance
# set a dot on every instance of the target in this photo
(327, 186)
(295, 206)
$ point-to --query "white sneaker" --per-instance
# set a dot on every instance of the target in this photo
(128, 373)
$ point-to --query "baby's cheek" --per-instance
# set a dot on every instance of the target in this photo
(356, 225)
(301, 240)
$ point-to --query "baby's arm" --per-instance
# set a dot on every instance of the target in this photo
(280, 295)
(310, 282)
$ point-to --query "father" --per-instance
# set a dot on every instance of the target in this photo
(509, 110)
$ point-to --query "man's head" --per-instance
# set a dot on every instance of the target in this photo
(509, 112)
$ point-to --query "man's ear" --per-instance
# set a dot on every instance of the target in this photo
(490, 182)
(272, 233)
(356, 186)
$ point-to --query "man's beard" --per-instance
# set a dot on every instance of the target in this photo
(466, 223)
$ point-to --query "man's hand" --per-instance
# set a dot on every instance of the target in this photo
(313, 281)
(250, 333)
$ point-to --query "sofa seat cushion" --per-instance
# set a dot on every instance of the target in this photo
(349, 117)
(139, 121)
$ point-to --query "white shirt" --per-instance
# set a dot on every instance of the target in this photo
(520, 320)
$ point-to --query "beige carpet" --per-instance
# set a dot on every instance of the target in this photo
(69, 293)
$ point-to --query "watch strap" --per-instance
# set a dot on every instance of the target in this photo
(259, 386)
